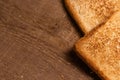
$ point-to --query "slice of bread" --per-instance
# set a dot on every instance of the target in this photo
(91, 13)
(101, 49)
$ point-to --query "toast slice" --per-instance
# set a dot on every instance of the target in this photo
(91, 13)
(100, 49)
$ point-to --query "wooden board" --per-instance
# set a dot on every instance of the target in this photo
(36, 42)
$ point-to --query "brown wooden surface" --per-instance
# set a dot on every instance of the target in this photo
(36, 42)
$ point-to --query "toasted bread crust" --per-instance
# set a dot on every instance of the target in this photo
(70, 8)
(91, 13)
(100, 49)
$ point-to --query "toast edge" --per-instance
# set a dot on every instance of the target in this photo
(87, 59)
(75, 16)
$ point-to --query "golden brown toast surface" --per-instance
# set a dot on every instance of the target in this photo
(91, 13)
(101, 49)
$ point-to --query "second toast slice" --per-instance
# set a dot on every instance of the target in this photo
(101, 49)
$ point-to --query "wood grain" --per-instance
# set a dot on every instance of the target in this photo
(36, 42)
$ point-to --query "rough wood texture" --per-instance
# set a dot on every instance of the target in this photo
(36, 41)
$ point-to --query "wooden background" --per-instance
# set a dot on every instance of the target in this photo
(36, 42)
